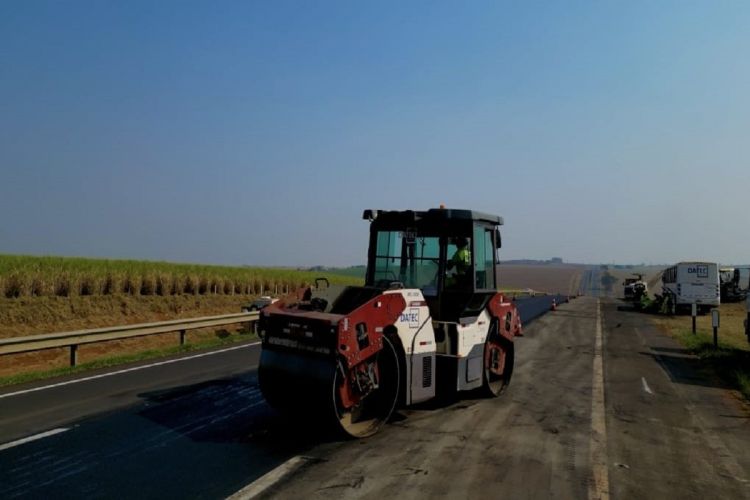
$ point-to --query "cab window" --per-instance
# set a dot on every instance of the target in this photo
(408, 258)
(484, 252)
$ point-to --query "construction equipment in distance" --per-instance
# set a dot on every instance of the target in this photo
(428, 318)
(634, 288)
(734, 283)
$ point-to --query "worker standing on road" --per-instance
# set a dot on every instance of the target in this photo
(461, 261)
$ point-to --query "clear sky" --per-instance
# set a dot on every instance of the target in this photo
(256, 133)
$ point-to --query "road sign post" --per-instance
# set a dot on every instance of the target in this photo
(715, 324)
(694, 313)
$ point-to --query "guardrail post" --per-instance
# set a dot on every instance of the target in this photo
(73, 355)
(182, 337)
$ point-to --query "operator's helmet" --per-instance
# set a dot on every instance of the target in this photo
(461, 241)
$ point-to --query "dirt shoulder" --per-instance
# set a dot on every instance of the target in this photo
(38, 315)
(35, 315)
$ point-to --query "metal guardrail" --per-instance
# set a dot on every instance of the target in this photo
(73, 339)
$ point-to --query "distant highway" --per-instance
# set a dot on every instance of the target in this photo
(591, 284)
(644, 424)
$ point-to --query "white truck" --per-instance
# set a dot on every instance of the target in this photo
(690, 283)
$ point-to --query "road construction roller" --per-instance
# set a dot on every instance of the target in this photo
(428, 319)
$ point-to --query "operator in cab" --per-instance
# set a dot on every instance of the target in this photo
(461, 262)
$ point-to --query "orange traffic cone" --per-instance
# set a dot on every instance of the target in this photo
(554, 305)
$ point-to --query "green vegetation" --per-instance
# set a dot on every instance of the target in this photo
(660, 304)
(30, 276)
(122, 359)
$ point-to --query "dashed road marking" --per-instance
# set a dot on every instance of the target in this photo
(646, 388)
(599, 485)
(263, 483)
(35, 437)
(127, 370)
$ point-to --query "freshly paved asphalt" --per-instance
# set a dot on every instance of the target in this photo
(199, 428)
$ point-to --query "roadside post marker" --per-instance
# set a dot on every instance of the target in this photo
(715, 324)
(747, 320)
(694, 313)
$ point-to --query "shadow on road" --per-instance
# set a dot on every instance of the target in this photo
(718, 369)
(227, 410)
(683, 368)
(230, 412)
(673, 350)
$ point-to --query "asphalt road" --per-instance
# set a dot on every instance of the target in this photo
(25, 410)
(591, 283)
(622, 413)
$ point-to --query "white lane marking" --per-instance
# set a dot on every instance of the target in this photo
(263, 483)
(645, 386)
(35, 437)
(127, 370)
(599, 485)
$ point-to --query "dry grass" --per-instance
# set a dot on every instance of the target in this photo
(50, 294)
(731, 332)
(30, 316)
(29, 276)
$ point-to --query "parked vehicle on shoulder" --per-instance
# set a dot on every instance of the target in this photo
(688, 283)
(735, 283)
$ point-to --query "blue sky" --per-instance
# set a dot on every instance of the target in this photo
(256, 133)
